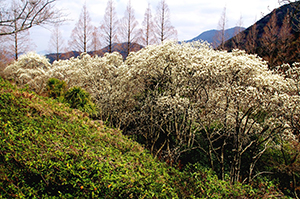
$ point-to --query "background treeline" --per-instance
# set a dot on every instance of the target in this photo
(113, 34)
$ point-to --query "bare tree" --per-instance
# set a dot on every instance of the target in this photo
(82, 33)
(17, 42)
(109, 26)
(27, 13)
(95, 43)
(221, 37)
(129, 29)
(239, 35)
(56, 42)
(295, 13)
(148, 28)
(250, 45)
(269, 39)
(285, 38)
(164, 29)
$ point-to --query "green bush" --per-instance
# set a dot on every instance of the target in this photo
(56, 88)
(78, 98)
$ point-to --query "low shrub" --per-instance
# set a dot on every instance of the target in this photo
(78, 98)
(56, 88)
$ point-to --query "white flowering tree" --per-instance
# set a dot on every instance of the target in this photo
(292, 76)
(192, 94)
(290, 146)
(28, 69)
(181, 97)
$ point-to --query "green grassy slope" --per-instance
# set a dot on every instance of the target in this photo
(48, 150)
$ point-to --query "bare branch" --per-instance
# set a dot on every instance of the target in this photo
(109, 25)
(164, 29)
(29, 14)
(129, 31)
(82, 33)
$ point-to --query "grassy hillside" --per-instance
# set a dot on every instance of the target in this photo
(48, 150)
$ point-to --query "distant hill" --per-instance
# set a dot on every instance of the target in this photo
(210, 35)
(118, 47)
(277, 56)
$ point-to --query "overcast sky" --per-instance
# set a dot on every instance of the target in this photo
(189, 17)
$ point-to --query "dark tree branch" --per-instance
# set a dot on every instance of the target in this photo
(28, 14)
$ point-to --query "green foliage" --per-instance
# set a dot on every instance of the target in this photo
(56, 88)
(78, 98)
(284, 163)
(202, 179)
(48, 150)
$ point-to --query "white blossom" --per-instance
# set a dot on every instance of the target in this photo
(176, 89)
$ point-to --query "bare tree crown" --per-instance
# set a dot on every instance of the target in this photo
(28, 13)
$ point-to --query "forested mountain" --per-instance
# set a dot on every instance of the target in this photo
(274, 37)
(210, 35)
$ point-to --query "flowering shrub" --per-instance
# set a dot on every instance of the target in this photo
(27, 69)
(178, 97)
(189, 90)
(289, 147)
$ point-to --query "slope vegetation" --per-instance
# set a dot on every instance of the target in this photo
(48, 150)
